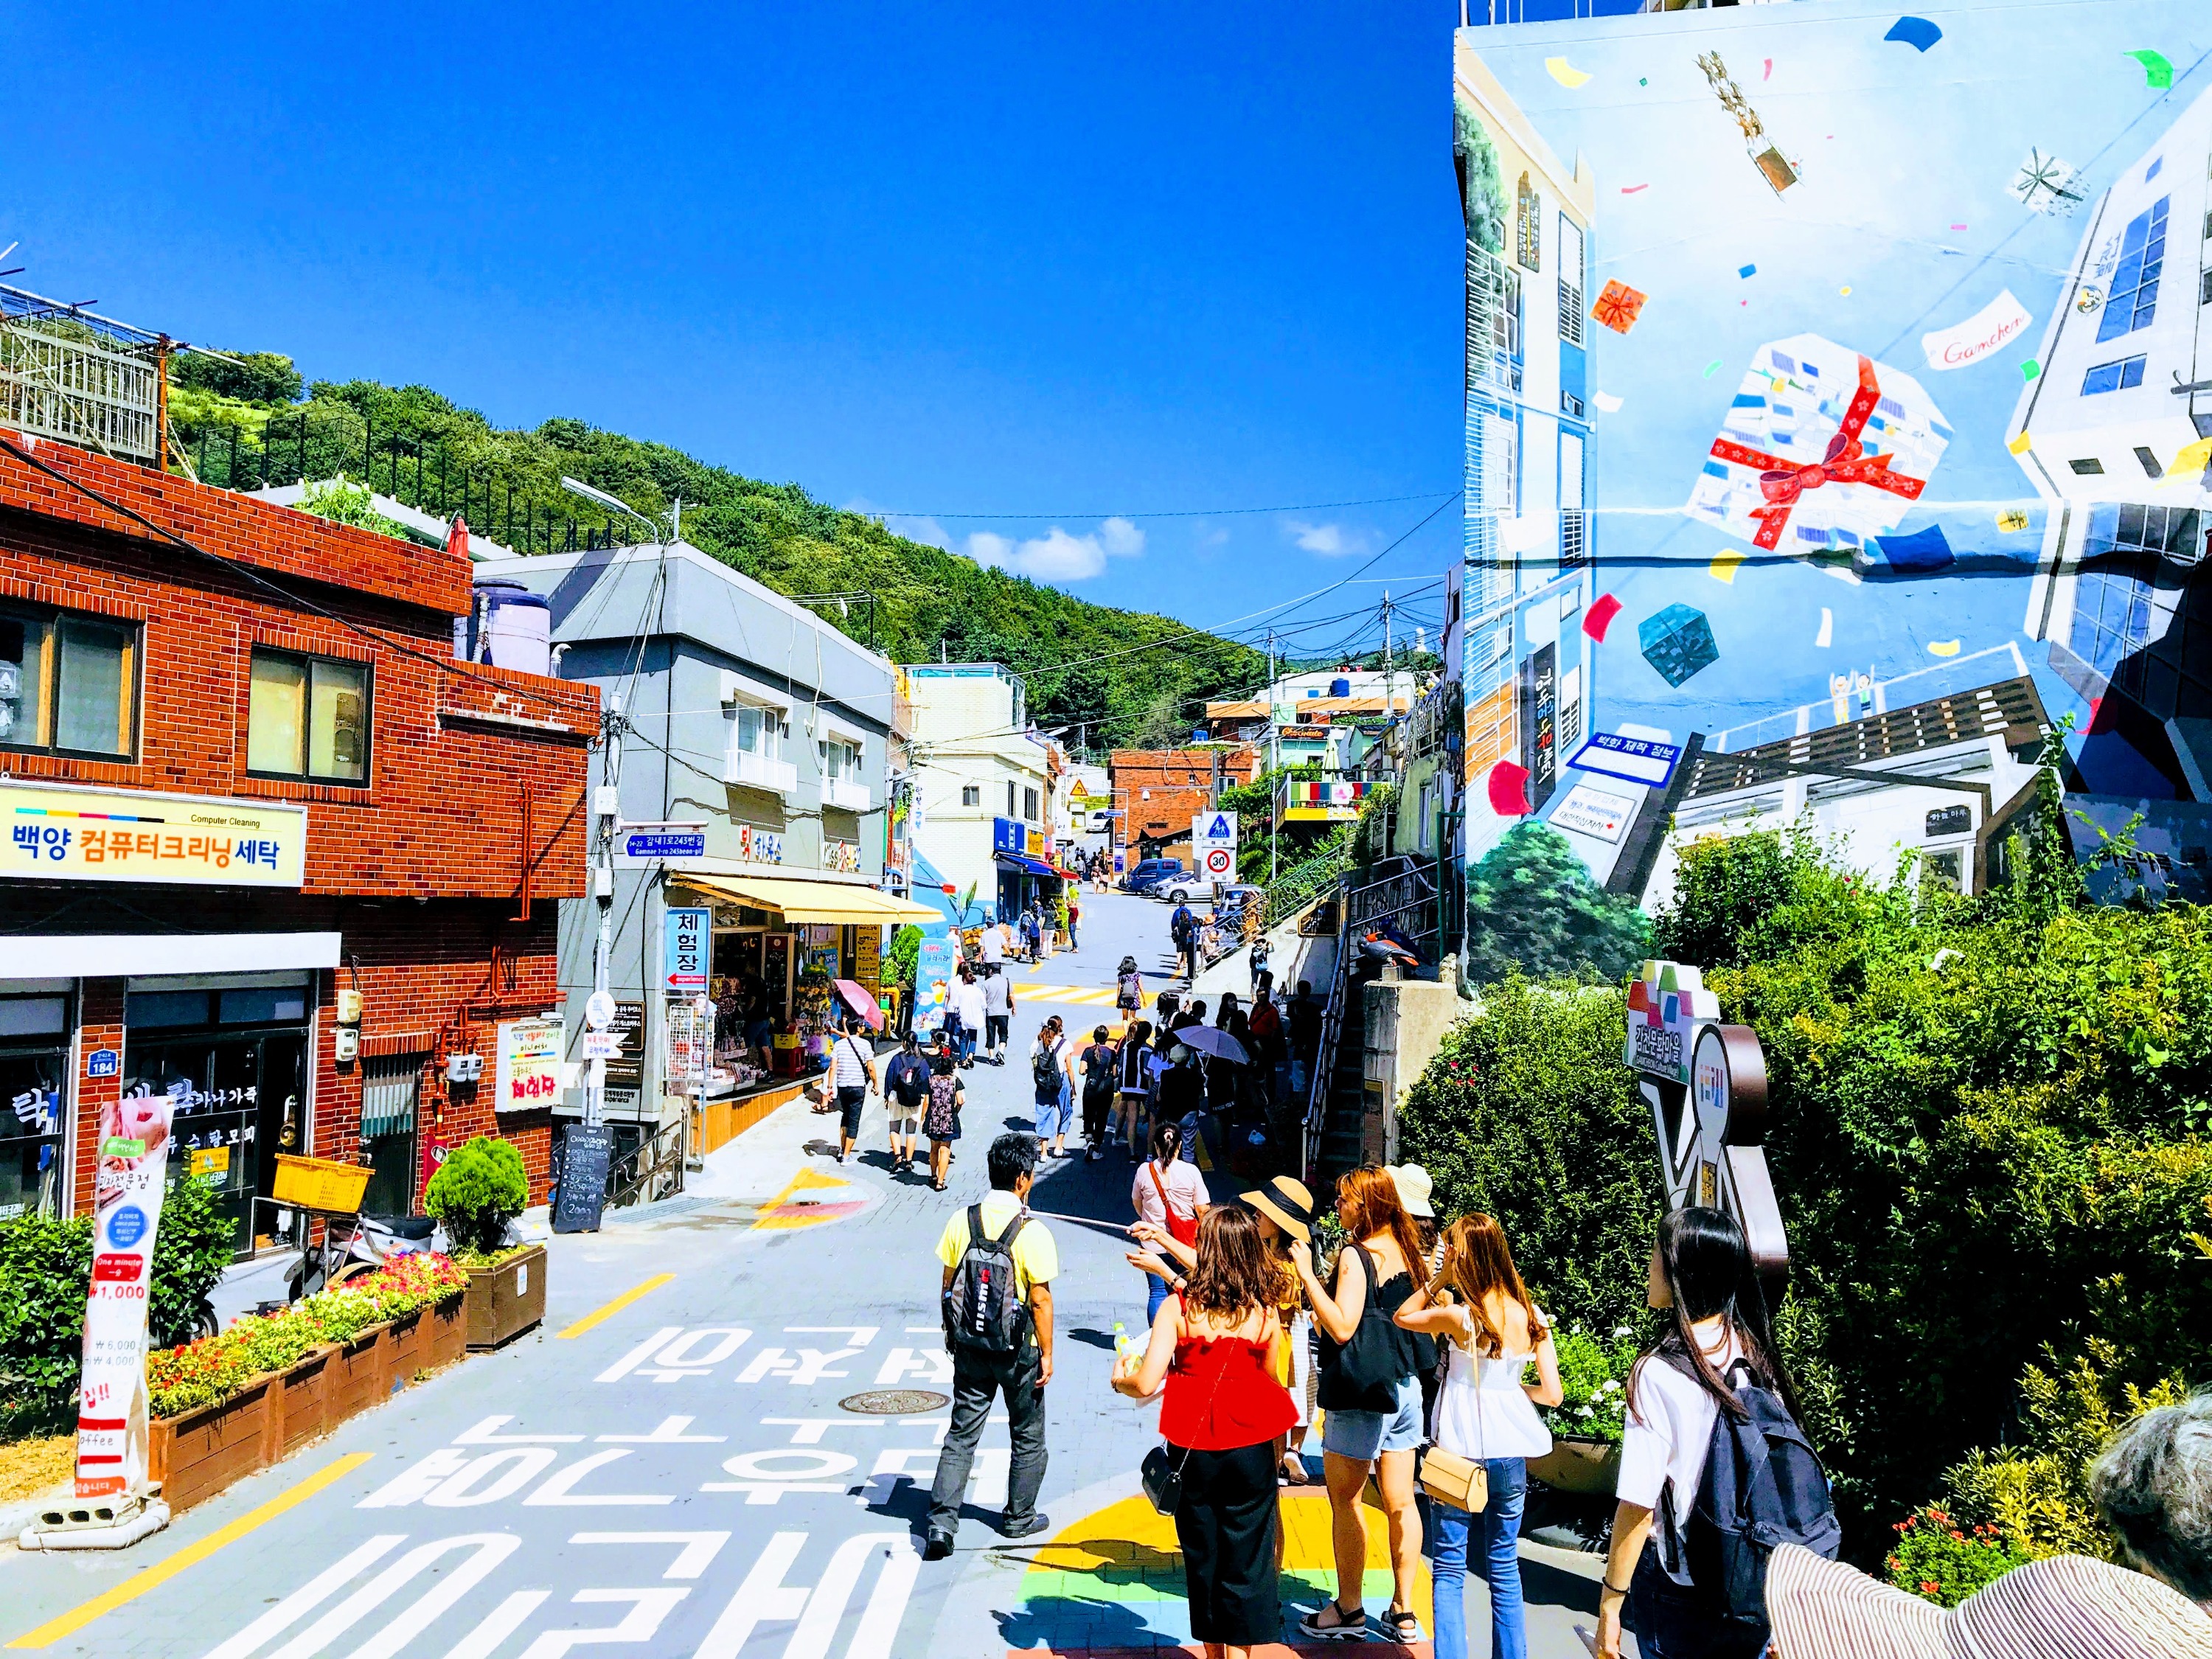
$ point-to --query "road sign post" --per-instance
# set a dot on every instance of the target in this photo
(1214, 846)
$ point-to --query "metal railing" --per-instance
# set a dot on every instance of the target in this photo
(1302, 884)
(654, 1171)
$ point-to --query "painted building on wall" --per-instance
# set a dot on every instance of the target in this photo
(1891, 340)
(1524, 662)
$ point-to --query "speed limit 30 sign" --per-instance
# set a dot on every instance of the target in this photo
(1218, 860)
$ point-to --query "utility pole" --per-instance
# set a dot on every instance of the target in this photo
(607, 809)
(1389, 690)
(1274, 762)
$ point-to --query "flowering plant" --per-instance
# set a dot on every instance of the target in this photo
(214, 1368)
(1935, 1557)
(1594, 1381)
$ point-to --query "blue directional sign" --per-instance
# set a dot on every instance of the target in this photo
(664, 843)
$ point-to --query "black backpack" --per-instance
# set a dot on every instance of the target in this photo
(983, 1314)
(1044, 1067)
(1097, 1073)
(1763, 1486)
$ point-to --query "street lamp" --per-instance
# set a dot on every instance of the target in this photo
(614, 503)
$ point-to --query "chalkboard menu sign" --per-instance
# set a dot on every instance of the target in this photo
(586, 1149)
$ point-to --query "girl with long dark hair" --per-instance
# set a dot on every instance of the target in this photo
(1170, 1193)
(1702, 1278)
(1213, 1345)
(1492, 1330)
(940, 1116)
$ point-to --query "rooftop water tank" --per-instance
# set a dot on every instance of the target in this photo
(514, 627)
(1339, 688)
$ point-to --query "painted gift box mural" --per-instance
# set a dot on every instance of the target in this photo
(1835, 435)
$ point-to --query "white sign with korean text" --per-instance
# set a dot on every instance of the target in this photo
(528, 1075)
(1590, 811)
(126, 1201)
(62, 834)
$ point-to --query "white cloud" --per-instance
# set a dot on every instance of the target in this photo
(1054, 557)
(1330, 541)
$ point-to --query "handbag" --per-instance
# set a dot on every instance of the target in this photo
(1161, 1475)
(1181, 1229)
(1461, 1482)
(1364, 1374)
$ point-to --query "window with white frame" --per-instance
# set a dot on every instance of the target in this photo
(971, 794)
(760, 732)
(841, 759)
(1029, 805)
(1571, 281)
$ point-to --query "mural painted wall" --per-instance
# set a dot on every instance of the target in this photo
(1834, 406)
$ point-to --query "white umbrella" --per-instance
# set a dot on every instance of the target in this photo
(1212, 1040)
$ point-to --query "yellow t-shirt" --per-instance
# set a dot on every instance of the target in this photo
(1036, 1258)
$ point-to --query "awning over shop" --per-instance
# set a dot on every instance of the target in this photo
(855, 997)
(801, 901)
(86, 956)
(1025, 865)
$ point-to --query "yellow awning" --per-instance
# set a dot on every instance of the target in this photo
(813, 901)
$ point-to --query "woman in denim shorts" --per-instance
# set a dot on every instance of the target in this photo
(1376, 1429)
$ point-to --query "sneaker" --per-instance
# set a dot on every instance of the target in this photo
(1028, 1527)
(937, 1547)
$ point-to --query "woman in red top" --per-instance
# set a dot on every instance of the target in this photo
(1213, 1344)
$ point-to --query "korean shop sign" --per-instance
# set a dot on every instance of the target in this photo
(687, 940)
(58, 833)
(528, 1076)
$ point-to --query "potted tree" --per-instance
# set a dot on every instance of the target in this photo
(477, 1192)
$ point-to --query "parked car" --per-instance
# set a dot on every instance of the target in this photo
(1183, 888)
(1148, 873)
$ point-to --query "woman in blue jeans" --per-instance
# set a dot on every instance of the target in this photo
(1486, 1411)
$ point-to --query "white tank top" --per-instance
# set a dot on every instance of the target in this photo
(1482, 1412)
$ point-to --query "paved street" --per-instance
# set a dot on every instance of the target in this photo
(678, 1477)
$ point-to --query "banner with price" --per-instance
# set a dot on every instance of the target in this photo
(528, 1075)
(126, 1198)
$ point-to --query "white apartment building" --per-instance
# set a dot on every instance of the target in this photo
(2115, 435)
(980, 804)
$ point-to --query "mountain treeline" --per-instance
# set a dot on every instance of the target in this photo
(254, 420)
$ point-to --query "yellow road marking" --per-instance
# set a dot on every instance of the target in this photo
(608, 1310)
(190, 1556)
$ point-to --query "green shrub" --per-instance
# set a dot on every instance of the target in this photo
(1592, 1383)
(1935, 1557)
(1532, 908)
(1988, 1133)
(1527, 1114)
(478, 1190)
(46, 1269)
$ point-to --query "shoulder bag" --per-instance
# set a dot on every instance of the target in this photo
(1161, 1473)
(1181, 1229)
(1446, 1477)
(1363, 1375)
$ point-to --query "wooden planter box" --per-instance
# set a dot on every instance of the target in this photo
(1579, 1466)
(360, 1374)
(299, 1406)
(196, 1455)
(449, 1324)
(410, 1344)
(507, 1300)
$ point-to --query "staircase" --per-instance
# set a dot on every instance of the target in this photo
(1344, 1107)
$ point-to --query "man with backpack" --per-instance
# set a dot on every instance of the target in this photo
(997, 1296)
(1182, 932)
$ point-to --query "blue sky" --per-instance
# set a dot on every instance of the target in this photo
(1900, 226)
(942, 259)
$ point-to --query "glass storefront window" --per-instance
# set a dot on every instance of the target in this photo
(31, 1122)
(237, 1099)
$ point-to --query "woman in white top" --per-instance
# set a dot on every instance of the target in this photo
(1492, 1330)
(1701, 1269)
(1170, 1193)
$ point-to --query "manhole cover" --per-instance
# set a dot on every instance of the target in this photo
(894, 1402)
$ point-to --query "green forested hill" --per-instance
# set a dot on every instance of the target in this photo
(251, 422)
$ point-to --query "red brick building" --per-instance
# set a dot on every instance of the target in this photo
(257, 815)
(1156, 793)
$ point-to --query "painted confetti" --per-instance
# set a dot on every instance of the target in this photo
(1566, 73)
(1944, 647)
(1827, 633)
(1768, 73)
(2012, 518)
(1631, 190)
(1723, 568)
(1607, 403)
(2157, 70)
(1599, 616)
(1915, 32)
(2020, 445)
(1747, 271)
(1713, 368)
(2030, 370)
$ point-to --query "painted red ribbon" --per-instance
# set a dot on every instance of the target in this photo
(1782, 481)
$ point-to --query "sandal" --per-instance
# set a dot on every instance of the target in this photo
(1402, 1626)
(1340, 1627)
(1294, 1470)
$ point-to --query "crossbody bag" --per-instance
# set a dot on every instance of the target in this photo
(1448, 1477)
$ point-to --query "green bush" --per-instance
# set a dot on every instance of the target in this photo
(1935, 1557)
(1527, 1114)
(478, 1190)
(1987, 1128)
(45, 1270)
(1532, 908)
(1592, 1383)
